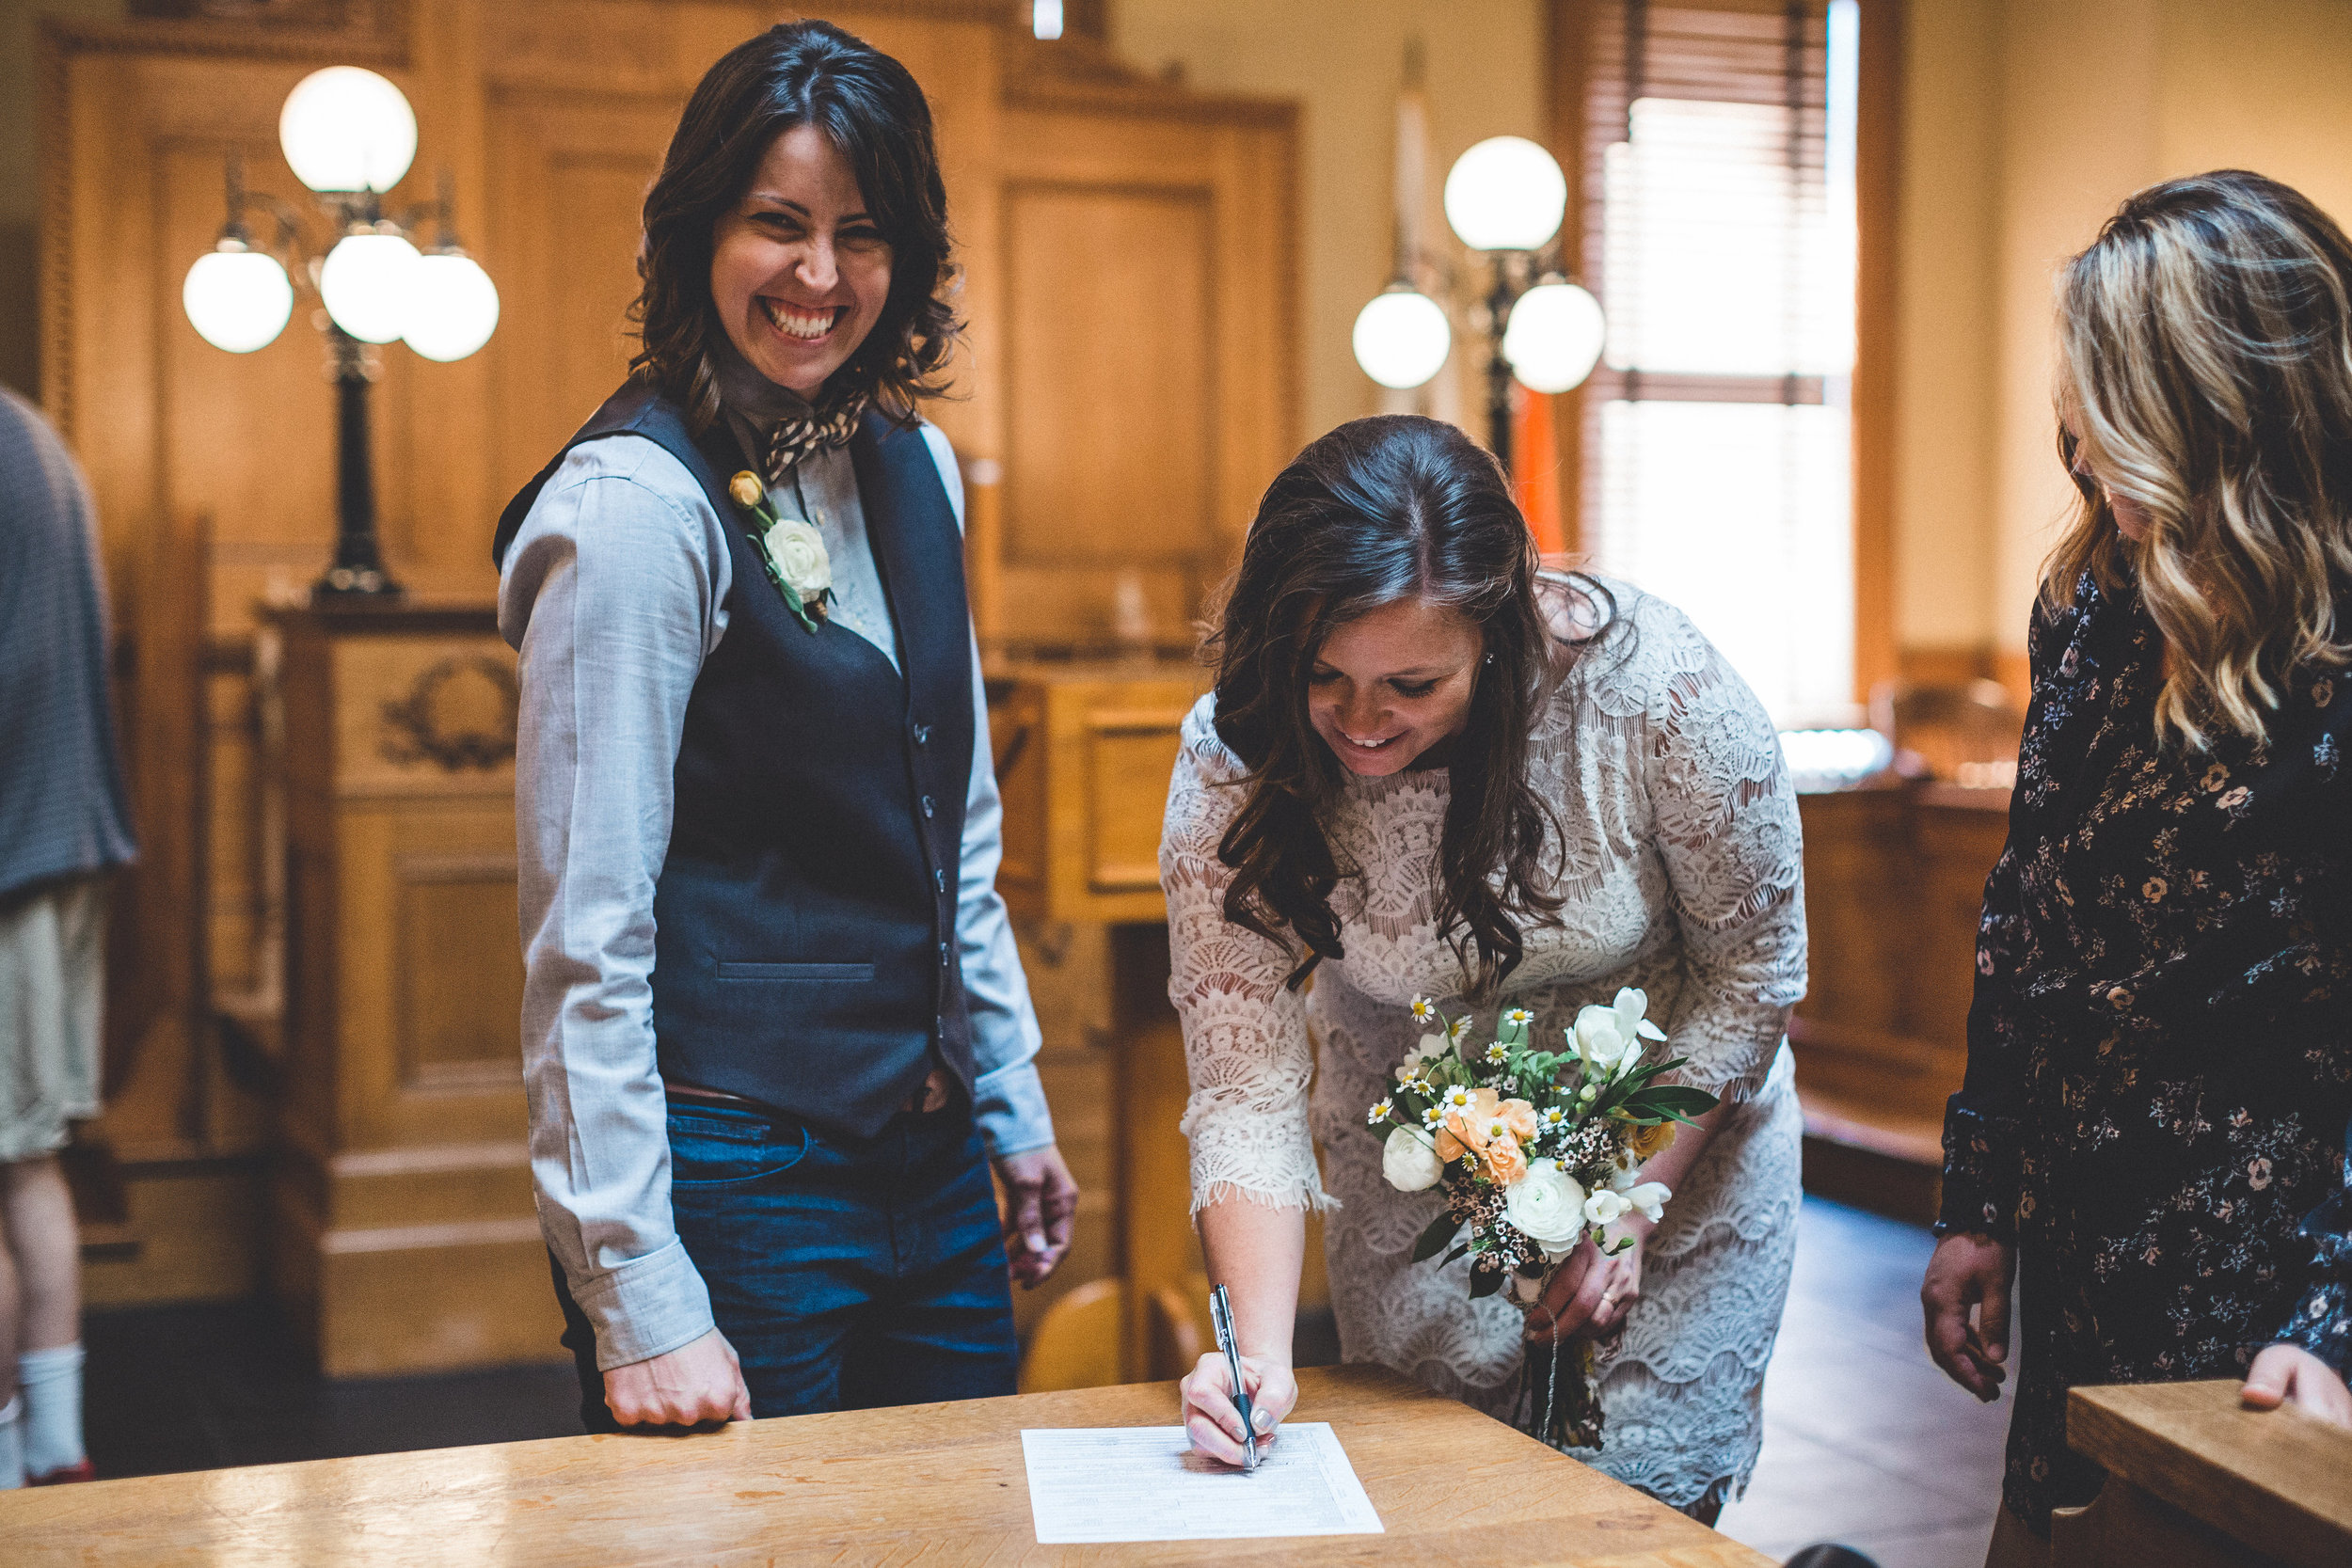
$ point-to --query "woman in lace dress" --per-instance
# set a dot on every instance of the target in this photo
(1428, 769)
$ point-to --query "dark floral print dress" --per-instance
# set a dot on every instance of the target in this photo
(2160, 1047)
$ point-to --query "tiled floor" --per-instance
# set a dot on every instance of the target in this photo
(1865, 1444)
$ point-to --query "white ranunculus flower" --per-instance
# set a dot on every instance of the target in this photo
(1410, 1161)
(799, 551)
(1603, 1207)
(1547, 1205)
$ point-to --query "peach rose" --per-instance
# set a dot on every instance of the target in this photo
(1469, 1129)
(1506, 1161)
(1519, 1117)
(1448, 1147)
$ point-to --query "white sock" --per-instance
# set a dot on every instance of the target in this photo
(51, 1381)
(11, 1443)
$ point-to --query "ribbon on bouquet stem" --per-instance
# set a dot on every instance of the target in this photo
(1573, 1423)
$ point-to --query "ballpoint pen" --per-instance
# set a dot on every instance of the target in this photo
(1221, 1319)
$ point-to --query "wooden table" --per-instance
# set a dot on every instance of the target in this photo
(936, 1484)
(2197, 1480)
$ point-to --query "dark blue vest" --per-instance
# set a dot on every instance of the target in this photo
(804, 949)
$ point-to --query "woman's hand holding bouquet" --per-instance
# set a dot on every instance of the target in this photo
(1539, 1154)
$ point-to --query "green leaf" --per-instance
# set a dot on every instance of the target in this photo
(1678, 1101)
(1433, 1240)
(1458, 1252)
(1485, 1282)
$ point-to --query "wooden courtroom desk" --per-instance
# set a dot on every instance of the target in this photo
(938, 1484)
(2194, 1480)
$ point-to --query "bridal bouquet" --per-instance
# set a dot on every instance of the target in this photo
(1534, 1150)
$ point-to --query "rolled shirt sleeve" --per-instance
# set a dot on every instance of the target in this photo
(1009, 1098)
(613, 595)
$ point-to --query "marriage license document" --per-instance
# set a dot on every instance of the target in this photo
(1145, 1483)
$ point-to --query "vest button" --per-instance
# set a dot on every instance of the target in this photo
(927, 805)
(939, 879)
(942, 955)
(922, 735)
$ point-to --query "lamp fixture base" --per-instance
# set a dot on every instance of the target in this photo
(356, 582)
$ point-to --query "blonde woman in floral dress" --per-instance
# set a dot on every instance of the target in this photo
(1428, 769)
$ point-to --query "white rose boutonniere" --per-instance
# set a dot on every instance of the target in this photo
(792, 550)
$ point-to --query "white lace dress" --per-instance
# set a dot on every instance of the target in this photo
(1681, 875)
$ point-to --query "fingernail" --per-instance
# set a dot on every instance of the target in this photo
(1265, 1419)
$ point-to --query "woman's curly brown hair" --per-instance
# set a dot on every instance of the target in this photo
(793, 74)
(1381, 512)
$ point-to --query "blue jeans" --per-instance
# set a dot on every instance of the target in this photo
(847, 1273)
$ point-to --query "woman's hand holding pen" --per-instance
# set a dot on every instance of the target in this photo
(1211, 1419)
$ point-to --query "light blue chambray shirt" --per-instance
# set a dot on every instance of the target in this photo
(614, 591)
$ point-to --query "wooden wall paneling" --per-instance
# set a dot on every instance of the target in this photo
(448, 483)
(1148, 267)
(1119, 344)
(1258, 386)
(1878, 227)
(101, 296)
(957, 52)
(567, 189)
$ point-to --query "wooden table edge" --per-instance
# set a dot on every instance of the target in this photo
(2111, 1424)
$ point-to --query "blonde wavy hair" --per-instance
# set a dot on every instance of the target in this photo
(2205, 377)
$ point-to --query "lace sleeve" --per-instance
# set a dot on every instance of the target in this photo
(1246, 1046)
(1726, 829)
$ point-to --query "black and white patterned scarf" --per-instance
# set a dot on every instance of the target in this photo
(800, 434)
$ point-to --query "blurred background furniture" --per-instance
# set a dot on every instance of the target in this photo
(1894, 862)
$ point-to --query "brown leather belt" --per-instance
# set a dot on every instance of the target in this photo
(932, 1096)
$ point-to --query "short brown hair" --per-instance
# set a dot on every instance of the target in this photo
(871, 107)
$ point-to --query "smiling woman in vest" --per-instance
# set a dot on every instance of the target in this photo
(774, 1027)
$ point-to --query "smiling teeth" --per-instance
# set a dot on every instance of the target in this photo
(1367, 745)
(810, 324)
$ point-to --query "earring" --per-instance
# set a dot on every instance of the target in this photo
(1490, 659)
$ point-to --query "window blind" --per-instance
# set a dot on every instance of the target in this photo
(1718, 237)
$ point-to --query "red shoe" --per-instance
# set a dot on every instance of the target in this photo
(81, 1469)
